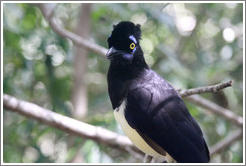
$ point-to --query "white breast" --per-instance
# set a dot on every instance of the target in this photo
(133, 135)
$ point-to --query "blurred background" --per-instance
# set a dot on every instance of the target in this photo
(190, 45)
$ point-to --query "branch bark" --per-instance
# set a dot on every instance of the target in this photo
(105, 136)
(211, 106)
(227, 141)
(67, 124)
(212, 88)
(80, 41)
(214, 108)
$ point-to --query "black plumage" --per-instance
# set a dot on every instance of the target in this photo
(153, 107)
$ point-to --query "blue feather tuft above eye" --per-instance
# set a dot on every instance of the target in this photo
(133, 38)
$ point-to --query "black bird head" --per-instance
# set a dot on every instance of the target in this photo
(124, 45)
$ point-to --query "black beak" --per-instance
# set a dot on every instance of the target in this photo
(111, 52)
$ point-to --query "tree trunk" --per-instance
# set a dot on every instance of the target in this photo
(79, 94)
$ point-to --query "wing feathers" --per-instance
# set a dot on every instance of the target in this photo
(165, 124)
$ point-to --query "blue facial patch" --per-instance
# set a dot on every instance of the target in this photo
(128, 56)
(133, 38)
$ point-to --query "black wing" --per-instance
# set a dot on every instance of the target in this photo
(159, 115)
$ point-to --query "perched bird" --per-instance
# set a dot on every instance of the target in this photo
(149, 110)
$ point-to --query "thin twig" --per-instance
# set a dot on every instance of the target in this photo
(91, 46)
(211, 106)
(212, 88)
(214, 108)
(225, 142)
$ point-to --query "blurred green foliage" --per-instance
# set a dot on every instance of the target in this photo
(190, 45)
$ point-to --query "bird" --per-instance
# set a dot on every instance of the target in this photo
(149, 110)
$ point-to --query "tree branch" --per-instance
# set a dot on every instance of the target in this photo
(69, 125)
(212, 88)
(91, 46)
(211, 106)
(214, 108)
(99, 134)
(227, 141)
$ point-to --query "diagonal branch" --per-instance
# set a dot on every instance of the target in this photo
(69, 125)
(91, 46)
(212, 107)
(211, 88)
(218, 147)
(84, 130)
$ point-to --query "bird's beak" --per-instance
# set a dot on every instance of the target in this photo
(111, 52)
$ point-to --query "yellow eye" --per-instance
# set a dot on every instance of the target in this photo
(132, 46)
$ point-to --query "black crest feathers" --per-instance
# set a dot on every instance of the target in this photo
(127, 28)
